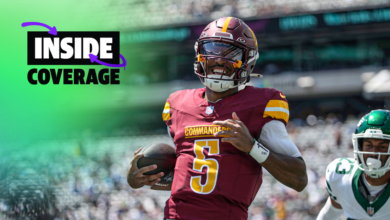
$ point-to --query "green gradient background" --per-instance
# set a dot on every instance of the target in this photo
(29, 113)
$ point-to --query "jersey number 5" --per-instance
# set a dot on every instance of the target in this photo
(200, 161)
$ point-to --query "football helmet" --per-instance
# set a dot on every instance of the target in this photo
(226, 53)
(375, 124)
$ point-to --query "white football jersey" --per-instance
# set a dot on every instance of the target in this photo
(342, 177)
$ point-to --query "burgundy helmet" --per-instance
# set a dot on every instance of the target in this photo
(226, 53)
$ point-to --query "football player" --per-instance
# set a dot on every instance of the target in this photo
(224, 136)
(359, 187)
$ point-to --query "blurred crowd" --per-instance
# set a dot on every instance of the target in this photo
(131, 14)
(86, 179)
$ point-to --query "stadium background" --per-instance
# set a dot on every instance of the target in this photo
(65, 149)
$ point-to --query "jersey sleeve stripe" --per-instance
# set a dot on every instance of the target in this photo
(276, 109)
(166, 115)
(278, 103)
(277, 115)
(327, 184)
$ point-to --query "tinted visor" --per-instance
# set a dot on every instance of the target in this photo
(221, 49)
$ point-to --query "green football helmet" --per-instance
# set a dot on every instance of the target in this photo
(375, 124)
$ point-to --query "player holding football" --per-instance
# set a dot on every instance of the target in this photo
(359, 187)
(224, 136)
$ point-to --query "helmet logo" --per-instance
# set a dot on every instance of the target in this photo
(209, 110)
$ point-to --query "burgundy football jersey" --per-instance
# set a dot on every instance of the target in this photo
(213, 179)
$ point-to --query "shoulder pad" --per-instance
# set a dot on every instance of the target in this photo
(176, 94)
(181, 97)
(166, 115)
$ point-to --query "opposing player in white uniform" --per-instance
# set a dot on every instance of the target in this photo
(359, 187)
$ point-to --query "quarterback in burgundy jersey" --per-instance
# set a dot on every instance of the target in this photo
(214, 179)
(222, 135)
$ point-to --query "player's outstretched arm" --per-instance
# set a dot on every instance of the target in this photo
(331, 211)
(290, 171)
(136, 178)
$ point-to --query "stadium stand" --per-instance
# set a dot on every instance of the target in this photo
(131, 14)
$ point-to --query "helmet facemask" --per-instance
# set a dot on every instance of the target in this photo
(373, 166)
(221, 64)
(230, 40)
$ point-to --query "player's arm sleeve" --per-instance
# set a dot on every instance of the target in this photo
(274, 136)
(329, 212)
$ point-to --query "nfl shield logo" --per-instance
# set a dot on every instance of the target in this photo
(209, 110)
(370, 210)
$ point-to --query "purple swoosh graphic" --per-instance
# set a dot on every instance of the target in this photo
(94, 58)
(52, 30)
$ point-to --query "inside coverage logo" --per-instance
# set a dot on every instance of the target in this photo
(73, 48)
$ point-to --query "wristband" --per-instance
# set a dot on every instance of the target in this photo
(259, 152)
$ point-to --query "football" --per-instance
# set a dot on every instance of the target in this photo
(164, 156)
